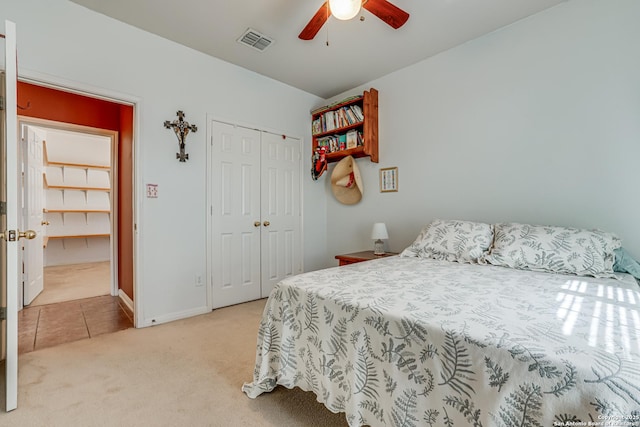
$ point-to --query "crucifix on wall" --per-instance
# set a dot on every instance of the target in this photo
(181, 128)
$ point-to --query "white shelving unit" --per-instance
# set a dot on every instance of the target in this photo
(77, 186)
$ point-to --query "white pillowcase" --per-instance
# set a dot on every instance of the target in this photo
(413, 250)
(452, 240)
(553, 249)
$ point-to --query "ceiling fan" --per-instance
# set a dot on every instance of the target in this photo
(347, 9)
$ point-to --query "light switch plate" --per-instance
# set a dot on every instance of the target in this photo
(152, 191)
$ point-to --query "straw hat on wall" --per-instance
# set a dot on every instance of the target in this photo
(346, 181)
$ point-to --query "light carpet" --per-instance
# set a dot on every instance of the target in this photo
(184, 373)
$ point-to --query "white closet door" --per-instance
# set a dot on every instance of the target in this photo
(281, 236)
(235, 197)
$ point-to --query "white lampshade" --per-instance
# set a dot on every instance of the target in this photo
(379, 231)
(344, 9)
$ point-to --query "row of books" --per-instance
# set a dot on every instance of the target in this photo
(351, 139)
(335, 119)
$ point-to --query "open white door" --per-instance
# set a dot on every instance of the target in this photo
(9, 232)
(32, 143)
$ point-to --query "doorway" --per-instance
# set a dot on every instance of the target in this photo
(68, 198)
(109, 225)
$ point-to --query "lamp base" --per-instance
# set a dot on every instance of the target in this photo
(378, 247)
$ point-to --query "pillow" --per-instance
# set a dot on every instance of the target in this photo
(413, 249)
(453, 240)
(553, 249)
(626, 264)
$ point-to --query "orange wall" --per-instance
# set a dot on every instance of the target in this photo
(125, 201)
(66, 107)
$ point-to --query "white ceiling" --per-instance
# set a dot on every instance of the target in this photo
(358, 51)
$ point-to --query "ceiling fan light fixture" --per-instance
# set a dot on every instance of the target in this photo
(344, 9)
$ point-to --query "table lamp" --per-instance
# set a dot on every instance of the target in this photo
(379, 233)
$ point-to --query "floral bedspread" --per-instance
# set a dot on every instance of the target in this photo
(418, 342)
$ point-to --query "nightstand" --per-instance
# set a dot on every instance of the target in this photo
(352, 258)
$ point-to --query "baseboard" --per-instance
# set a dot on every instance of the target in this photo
(126, 300)
(173, 316)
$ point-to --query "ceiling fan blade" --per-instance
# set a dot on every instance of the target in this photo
(314, 25)
(386, 11)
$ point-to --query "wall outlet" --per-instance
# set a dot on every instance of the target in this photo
(198, 280)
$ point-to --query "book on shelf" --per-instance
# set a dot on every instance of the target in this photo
(358, 112)
(351, 117)
(342, 141)
(316, 126)
(351, 139)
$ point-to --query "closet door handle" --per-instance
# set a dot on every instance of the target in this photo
(256, 224)
(266, 223)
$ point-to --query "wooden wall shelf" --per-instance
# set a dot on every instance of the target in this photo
(331, 124)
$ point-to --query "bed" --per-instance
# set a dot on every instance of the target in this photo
(429, 341)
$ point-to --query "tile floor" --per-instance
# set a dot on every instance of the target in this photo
(53, 324)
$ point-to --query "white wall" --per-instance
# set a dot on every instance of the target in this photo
(77, 251)
(66, 42)
(538, 122)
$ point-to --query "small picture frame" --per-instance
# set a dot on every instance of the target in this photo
(388, 180)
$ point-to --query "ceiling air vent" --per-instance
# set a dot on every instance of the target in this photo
(254, 39)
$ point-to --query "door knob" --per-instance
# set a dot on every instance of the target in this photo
(44, 223)
(266, 223)
(256, 224)
(29, 234)
(10, 235)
